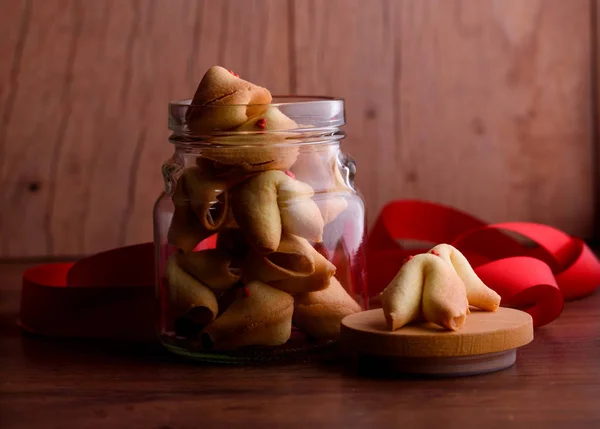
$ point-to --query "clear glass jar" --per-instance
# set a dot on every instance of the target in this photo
(259, 232)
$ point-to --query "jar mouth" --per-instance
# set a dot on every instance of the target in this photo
(312, 117)
(278, 101)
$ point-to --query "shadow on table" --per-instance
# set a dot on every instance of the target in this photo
(45, 351)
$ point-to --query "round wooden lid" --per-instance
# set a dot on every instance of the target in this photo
(483, 332)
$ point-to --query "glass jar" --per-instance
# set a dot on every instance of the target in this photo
(259, 231)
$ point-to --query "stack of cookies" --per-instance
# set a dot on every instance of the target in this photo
(265, 273)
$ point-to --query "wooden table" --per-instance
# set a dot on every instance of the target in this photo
(49, 383)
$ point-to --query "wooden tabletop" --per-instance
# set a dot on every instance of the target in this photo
(48, 383)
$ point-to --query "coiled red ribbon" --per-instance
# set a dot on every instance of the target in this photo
(111, 294)
(536, 275)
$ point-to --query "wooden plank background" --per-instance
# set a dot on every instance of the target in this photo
(486, 105)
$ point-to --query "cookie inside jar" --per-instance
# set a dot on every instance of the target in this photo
(261, 250)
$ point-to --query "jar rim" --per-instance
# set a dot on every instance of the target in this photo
(315, 117)
(283, 100)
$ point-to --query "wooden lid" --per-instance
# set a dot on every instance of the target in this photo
(483, 332)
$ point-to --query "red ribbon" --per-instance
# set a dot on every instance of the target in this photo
(111, 294)
(536, 275)
(107, 295)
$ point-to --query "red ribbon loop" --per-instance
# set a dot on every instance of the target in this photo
(107, 295)
(536, 274)
(111, 294)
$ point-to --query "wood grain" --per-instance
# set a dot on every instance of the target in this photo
(360, 66)
(49, 383)
(35, 124)
(14, 26)
(492, 95)
(595, 53)
(86, 133)
(483, 105)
